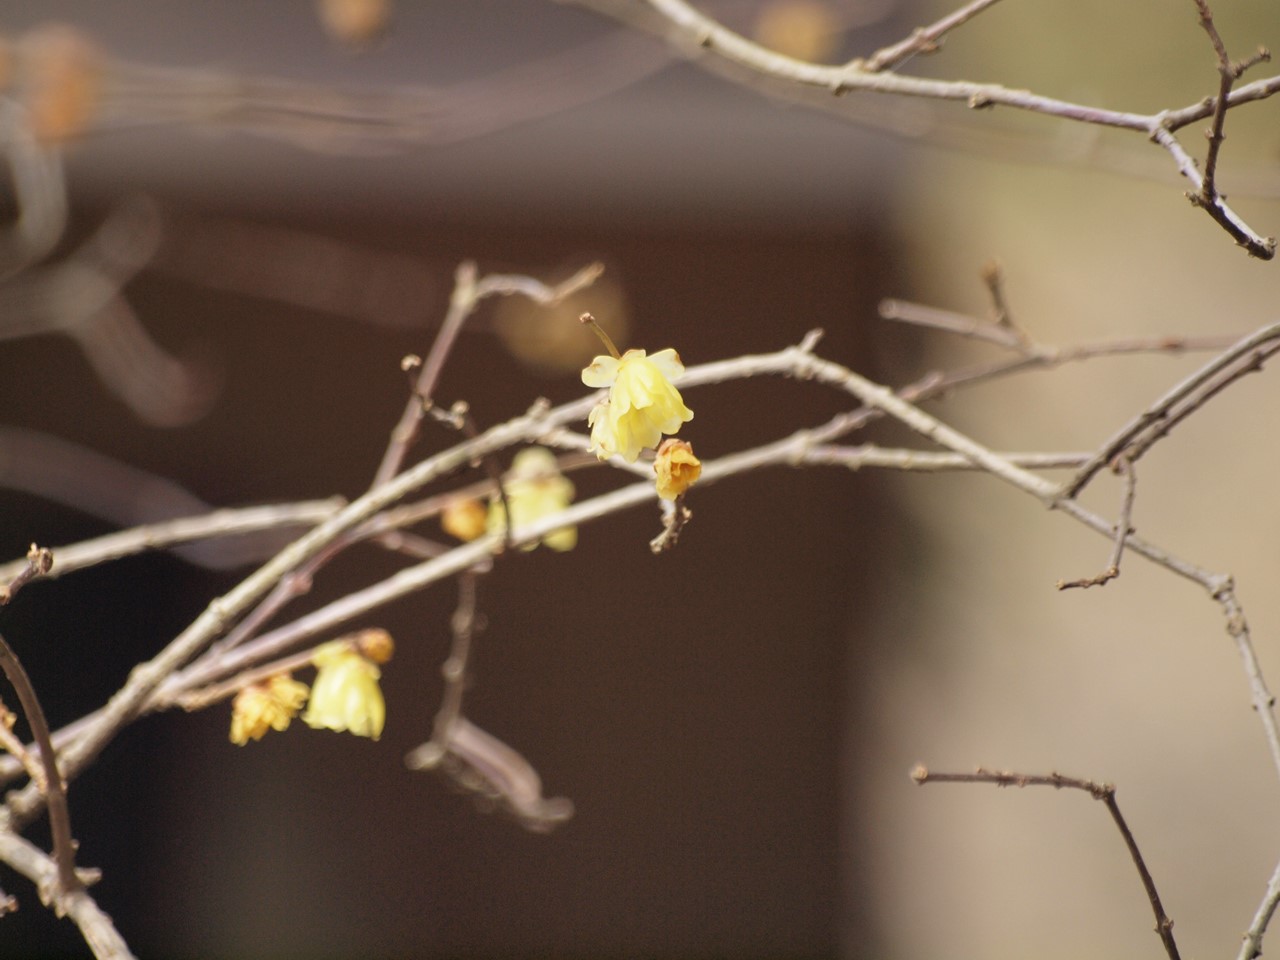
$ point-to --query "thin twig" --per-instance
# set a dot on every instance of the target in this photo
(38, 563)
(1122, 468)
(923, 39)
(454, 669)
(675, 516)
(1251, 948)
(698, 32)
(459, 417)
(1228, 74)
(1254, 243)
(1099, 791)
(157, 536)
(11, 742)
(467, 294)
(1160, 409)
(919, 315)
(993, 278)
(927, 461)
(54, 787)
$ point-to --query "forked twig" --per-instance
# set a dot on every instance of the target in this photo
(1228, 74)
(468, 291)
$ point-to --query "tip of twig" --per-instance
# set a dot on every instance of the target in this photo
(919, 773)
(811, 339)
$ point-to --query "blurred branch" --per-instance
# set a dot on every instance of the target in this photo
(82, 298)
(701, 35)
(329, 119)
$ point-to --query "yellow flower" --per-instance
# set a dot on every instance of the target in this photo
(677, 468)
(263, 706)
(642, 404)
(346, 695)
(535, 489)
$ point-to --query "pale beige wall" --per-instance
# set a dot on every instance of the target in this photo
(1137, 682)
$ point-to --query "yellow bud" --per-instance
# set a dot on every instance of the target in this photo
(376, 644)
(464, 519)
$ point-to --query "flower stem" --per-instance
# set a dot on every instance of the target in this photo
(590, 321)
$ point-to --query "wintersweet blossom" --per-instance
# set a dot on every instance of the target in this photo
(346, 695)
(535, 489)
(260, 707)
(676, 467)
(642, 404)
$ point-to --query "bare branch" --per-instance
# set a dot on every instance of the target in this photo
(698, 32)
(923, 39)
(1185, 397)
(1228, 74)
(54, 788)
(467, 294)
(1122, 467)
(1099, 791)
(95, 926)
(157, 536)
(38, 563)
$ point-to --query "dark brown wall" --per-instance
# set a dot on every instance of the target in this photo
(693, 705)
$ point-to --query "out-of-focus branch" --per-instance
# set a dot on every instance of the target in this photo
(81, 297)
(700, 34)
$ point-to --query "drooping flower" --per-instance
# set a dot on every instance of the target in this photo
(535, 489)
(642, 404)
(346, 695)
(260, 707)
(676, 467)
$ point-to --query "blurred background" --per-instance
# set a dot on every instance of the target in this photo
(264, 208)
